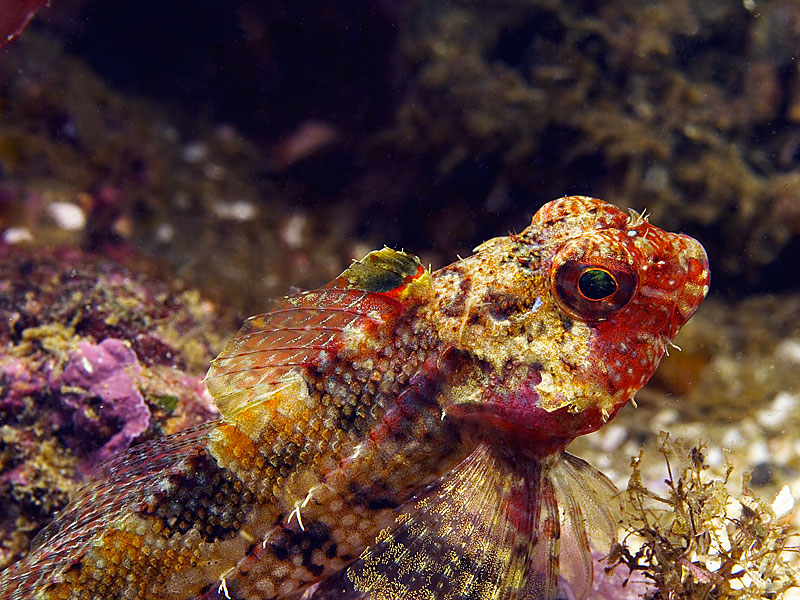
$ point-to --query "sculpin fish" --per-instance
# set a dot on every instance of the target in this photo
(396, 434)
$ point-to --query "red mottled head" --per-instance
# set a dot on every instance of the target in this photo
(566, 321)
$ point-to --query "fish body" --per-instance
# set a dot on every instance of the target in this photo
(396, 433)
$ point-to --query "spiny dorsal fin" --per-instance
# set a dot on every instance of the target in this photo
(388, 271)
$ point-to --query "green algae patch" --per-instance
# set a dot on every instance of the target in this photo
(166, 401)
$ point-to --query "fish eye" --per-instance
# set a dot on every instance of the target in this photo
(592, 291)
(596, 284)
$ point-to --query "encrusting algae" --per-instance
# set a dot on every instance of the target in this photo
(396, 433)
(94, 357)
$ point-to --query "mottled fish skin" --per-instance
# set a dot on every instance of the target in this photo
(396, 434)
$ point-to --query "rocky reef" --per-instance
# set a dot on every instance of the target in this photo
(94, 358)
(292, 138)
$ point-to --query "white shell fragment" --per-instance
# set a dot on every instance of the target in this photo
(67, 215)
(784, 503)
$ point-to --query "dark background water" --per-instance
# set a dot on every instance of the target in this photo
(435, 125)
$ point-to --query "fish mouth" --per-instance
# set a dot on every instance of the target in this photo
(698, 276)
(695, 286)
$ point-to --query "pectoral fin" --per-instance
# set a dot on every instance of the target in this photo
(497, 527)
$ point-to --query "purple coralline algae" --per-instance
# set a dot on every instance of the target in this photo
(110, 372)
(94, 358)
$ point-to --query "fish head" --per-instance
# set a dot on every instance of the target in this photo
(556, 328)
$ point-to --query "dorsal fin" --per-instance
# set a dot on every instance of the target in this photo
(390, 272)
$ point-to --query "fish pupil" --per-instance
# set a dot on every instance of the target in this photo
(596, 284)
